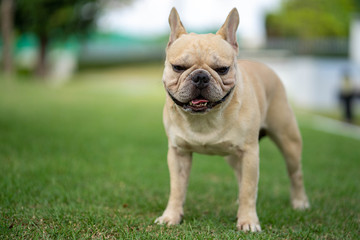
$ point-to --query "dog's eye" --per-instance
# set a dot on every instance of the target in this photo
(179, 68)
(222, 70)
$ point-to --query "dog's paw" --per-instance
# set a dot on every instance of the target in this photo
(248, 226)
(300, 203)
(169, 219)
(249, 223)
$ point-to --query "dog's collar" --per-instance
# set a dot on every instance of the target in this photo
(213, 104)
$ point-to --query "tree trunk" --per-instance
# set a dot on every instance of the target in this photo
(7, 7)
(41, 69)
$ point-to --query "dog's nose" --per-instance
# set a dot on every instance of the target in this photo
(201, 80)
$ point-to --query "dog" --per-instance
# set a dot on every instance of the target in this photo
(216, 104)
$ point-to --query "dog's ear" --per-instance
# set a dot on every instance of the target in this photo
(228, 30)
(177, 29)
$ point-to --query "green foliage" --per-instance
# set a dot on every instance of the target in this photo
(308, 19)
(55, 18)
(89, 161)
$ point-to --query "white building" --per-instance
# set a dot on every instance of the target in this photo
(354, 47)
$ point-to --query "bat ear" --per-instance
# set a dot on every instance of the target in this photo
(228, 30)
(177, 29)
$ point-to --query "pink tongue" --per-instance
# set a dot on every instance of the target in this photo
(198, 101)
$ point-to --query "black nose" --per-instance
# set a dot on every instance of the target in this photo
(201, 80)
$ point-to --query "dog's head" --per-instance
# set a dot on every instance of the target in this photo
(200, 69)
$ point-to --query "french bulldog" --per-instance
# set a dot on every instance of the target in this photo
(219, 105)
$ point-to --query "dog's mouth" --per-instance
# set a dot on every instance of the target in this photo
(199, 104)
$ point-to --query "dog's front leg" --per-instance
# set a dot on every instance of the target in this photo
(179, 166)
(246, 166)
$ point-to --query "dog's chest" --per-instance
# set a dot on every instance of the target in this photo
(206, 145)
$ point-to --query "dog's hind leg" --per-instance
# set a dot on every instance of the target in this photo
(284, 131)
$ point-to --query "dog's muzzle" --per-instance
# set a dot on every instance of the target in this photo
(199, 104)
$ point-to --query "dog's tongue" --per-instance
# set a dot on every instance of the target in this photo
(199, 101)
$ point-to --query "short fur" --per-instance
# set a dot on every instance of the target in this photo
(252, 101)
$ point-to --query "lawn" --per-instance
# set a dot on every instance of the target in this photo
(88, 160)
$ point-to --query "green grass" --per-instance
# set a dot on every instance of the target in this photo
(88, 160)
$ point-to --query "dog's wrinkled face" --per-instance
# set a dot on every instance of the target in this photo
(200, 70)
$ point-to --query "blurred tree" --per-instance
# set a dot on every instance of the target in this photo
(308, 19)
(7, 7)
(54, 19)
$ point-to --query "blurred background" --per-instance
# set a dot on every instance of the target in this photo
(313, 45)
